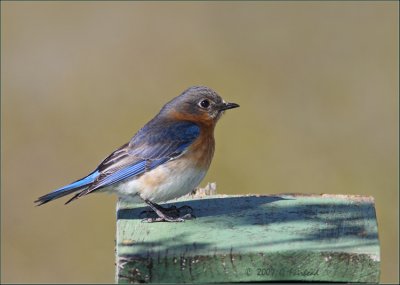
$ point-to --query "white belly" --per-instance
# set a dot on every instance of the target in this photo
(166, 182)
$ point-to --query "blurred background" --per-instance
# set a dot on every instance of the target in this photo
(317, 83)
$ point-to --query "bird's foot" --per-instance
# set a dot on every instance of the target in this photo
(171, 214)
(168, 219)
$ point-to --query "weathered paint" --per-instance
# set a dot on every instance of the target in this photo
(287, 237)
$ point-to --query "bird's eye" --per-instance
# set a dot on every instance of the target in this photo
(204, 103)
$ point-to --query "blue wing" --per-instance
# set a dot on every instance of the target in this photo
(152, 146)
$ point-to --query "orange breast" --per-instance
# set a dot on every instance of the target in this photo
(202, 149)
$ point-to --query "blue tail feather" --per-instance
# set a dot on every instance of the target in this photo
(68, 189)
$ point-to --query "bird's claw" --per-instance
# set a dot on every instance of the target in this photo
(169, 219)
(171, 214)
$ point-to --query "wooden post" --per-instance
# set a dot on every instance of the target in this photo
(332, 238)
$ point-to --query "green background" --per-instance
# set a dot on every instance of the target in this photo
(317, 83)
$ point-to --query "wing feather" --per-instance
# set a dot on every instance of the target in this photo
(152, 146)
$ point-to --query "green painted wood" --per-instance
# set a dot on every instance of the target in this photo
(252, 238)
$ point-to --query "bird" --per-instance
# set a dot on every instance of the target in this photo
(166, 159)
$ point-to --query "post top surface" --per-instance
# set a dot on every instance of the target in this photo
(256, 223)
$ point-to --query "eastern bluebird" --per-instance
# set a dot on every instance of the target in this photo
(165, 159)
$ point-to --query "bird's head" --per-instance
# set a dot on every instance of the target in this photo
(198, 104)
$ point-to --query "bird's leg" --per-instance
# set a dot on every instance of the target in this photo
(171, 214)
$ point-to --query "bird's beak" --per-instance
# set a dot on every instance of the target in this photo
(226, 106)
